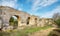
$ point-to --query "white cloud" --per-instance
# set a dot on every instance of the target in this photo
(47, 2)
(38, 4)
(50, 13)
(10, 3)
(20, 9)
(35, 5)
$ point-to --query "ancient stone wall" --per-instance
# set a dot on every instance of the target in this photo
(24, 19)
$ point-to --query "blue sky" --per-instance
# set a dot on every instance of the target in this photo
(41, 8)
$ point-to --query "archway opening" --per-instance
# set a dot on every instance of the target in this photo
(14, 21)
(1, 24)
(36, 21)
(28, 19)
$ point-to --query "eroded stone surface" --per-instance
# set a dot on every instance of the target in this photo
(7, 12)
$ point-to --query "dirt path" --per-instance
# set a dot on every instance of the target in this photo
(42, 32)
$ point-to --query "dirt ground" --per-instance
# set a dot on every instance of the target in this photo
(42, 32)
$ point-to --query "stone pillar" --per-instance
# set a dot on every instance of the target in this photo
(19, 21)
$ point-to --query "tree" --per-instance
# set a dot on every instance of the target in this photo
(13, 22)
(56, 18)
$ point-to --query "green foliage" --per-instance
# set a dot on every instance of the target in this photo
(56, 18)
(35, 29)
(58, 22)
(4, 33)
(13, 22)
(24, 32)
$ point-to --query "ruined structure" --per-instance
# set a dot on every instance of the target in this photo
(24, 19)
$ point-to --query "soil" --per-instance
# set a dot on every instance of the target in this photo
(42, 32)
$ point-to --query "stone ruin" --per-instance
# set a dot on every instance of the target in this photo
(24, 19)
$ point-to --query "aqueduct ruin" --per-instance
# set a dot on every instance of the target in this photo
(23, 18)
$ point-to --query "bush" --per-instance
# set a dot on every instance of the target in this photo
(58, 22)
(55, 32)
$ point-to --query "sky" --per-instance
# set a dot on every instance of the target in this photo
(41, 8)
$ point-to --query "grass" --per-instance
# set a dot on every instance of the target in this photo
(24, 32)
(32, 30)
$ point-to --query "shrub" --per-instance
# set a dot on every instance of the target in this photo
(58, 22)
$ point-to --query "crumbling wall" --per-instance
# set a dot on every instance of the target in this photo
(25, 19)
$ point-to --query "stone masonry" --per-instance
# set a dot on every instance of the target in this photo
(24, 19)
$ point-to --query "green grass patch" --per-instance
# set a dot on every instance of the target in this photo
(35, 29)
(24, 32)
